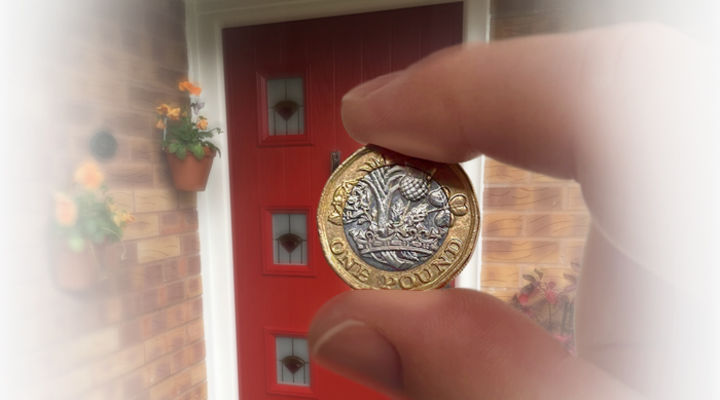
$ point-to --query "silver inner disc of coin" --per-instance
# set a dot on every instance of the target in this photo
(396, 217)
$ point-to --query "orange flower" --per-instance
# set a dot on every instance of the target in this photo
(163, 109)
(89, 175)
(186, 86)
(122, 217)
(202, 123)
(160, 124)
(66, 211)
(174, 113)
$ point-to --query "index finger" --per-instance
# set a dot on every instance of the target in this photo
(521, 101)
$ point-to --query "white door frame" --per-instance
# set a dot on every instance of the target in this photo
(205, 20)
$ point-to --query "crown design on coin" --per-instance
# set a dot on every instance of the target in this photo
(396, 217)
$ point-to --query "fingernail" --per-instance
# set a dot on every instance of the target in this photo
(365, 89)
(361, 353)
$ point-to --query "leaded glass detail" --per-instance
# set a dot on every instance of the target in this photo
(289, 232)
(292, 360)
(286, 106)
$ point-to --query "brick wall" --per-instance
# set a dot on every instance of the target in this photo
(530, 220)
(104, 65)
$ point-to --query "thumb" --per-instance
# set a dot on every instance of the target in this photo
(449, 344)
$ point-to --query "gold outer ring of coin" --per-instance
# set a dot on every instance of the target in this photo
(447, 260)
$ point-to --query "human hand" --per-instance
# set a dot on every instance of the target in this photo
(620, 110)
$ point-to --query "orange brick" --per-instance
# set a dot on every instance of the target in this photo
(93, 345)
(144, 226)
(538, 251)
(523, 198)
(175, 385)
(194, 330)
(196, 353)
(172, 222)
(175, 292)
(195, 308)
(147, 200)
(497, 172)
(165, 343)
(144, 150)
(101, 92)
(119, 254)
(500, 276)
(111, 310)
(119, 363)
(503, 294)
(163, 176)
(193, 286)
(143, 328)
(198, 392)
(141, 277)
(124, 199)
(172, 386)
(152, 300)
(158, 248)
(190, 243)
(179, 222)
(558, 225)
(130, 175)
(187, 200)
(198, 373)
(502, 225)
(193, 265)
(572, 253)
(575, 200)
(133, 385)
(158, 370)
(188, 356)
(541, 178)
(175, 269)
(177, 315)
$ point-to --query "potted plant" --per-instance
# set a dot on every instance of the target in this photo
(550, 305)
(86, 218)
(186, 141)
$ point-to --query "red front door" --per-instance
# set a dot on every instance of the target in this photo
(284, 83)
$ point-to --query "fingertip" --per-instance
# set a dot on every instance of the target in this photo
(360, 352)
(353, 117)
(354, 348)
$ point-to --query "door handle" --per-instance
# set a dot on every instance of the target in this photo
(334, 160)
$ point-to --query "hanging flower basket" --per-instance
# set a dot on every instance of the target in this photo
(86, 220)
(186, 141)
(77, 271)
(191, 174)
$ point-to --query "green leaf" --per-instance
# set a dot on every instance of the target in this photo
(198, 151)
(76, 243)
(529, 277)
(181, 152)
(173, 147)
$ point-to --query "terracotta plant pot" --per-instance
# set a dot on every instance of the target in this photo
(76, 272)
(191, 174)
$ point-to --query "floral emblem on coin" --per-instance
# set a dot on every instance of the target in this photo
(396, 217)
